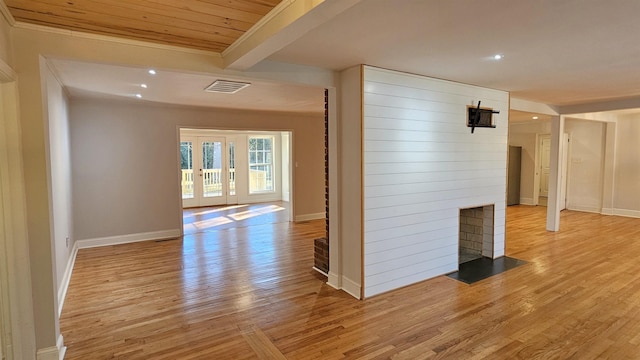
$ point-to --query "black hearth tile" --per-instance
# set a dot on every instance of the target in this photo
(479, 269)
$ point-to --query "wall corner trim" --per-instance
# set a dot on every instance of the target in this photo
(128, 238)
(333, 280)
(62, 290)
(56, 352)
(6, 72)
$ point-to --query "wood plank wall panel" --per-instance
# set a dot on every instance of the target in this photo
(421, 165)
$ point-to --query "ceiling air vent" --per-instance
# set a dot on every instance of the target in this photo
(226, 86)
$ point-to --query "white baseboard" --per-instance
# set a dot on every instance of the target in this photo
(129, 238)
(607, 211)
(62, 290)
(307, 217)
(333, 280)
(626, 213)
(53, 352)
(351, 287)
(590, 209)
(343, 283)
(320, 271)
(526, 201)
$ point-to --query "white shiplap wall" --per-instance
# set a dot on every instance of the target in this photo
(421, 165)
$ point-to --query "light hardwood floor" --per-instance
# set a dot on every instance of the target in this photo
(249, 292)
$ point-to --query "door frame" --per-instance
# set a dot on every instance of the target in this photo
(536, 172)
(564, 166)
(236, 134)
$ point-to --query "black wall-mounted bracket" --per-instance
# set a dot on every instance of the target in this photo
(480, 117)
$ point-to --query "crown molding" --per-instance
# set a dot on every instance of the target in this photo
(6, 13)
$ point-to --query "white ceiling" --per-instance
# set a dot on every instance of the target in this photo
(112, 81)
(555, 52)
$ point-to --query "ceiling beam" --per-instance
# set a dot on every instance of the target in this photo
(283, 25)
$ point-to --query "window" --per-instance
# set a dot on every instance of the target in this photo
(261, 164)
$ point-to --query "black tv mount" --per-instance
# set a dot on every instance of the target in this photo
(480, 117)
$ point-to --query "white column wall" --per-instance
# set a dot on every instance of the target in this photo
(421, 165)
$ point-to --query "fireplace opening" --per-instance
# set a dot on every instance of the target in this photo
(476, 233)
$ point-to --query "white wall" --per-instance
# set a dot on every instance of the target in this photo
(627, 167)
(350, 186)
(421, 165)
(60, 170)
(125, 162)
(524, 134)
(586, 165)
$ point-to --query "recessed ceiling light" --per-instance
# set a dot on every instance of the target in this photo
(498, 56)
(139, 96)
(152, 72)
(144, 86)
(535, 118)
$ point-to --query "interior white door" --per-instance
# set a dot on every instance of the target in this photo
(545, 158)
(204, 171)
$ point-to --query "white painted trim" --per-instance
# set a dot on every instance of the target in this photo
(89, 36)
(129, 238)
(350, 287)
(13, 209)
(626, 213)
(56, 352)
(320, 271)
(284, 24)
(533, 107)
(333, 280)
(307, 217)
(607, 211)
(6, 72)
(590, 209)
(6, 13)
(62, 350)
(526, 201)
(271, 15)
(66, 278)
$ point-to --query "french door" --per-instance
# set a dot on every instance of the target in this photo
(206, 176)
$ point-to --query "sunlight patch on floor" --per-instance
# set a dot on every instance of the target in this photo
(256, 212)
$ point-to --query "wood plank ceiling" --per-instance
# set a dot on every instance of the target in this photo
(210, 25)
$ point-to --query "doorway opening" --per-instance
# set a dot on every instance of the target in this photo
(221, 167)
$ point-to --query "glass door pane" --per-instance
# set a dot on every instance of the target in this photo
(186, 165)
(211, 171)
(232, 169)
